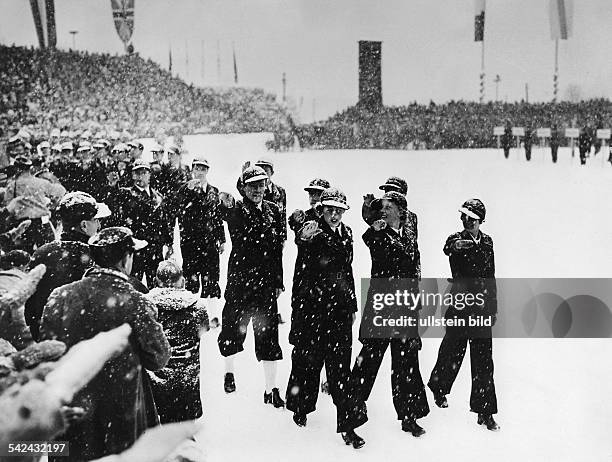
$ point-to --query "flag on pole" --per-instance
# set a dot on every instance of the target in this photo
(561, 17)
(479, 20)
(235, 65)
(170, 59)
(123, 14)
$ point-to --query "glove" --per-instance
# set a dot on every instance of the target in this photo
(461, 244)
(226, 199)
(298, 216)
(309, 230)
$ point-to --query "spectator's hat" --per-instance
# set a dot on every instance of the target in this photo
(157, 148)
(84, 146)
(44, 145)
(99, 144)
(136, 144)
(174, 149)
(23, 161)
(265, 163)
(67, 146)
(318, 184)
(64, 134)
(395, 183)
(86, 135)
(117, 235)
(140, 164)
(15, 140)
(333, 197)
(77, 206)
(474, 208)
(55, 133)
(56, 147)
(252, 174)
(24, 134)
(200, 160)
(121, 147)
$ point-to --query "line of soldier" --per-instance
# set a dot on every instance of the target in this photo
(587, 140)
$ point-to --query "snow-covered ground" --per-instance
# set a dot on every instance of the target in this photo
(546, 220)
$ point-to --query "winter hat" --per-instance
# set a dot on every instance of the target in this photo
(157, 148)
(395, 183)
(174, 149)
(200, 160)
(116, 235)
(333, 197)
(252, 174)
(474, 208)
(77, 206)
(67, 146)
(393, 196)
(168, 272)
(141, 164)
(136, 144)
(84, 146)
(318, 184)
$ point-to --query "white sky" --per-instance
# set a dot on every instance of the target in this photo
(428, 47)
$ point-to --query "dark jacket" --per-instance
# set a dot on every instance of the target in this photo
(176, 387)
(255, 267)
(277, 195)
(507, 140)
(325, 300)
(118, 402)
(146, 217)
(66, 261)
(309, 215)
(198, 214)
(396, 265)
(371, 214)
(473, 271)
(169, 179)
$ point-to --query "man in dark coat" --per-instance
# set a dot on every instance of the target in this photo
(172, 174)
(507, 139)
(321, 326)
(68, 259)
(584, 143)
(528, 140)
(395, 256)
(254, 280)
(144, 215)
(274, 193)
(555, 141)
(472, 263)
(118, 402)
(196, 205)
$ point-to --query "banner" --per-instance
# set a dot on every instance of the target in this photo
(479, 20)
(561, 18)
(123, 15)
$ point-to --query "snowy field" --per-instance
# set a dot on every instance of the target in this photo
(546, 220)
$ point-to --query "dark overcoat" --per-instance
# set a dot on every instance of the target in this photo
(118, 402)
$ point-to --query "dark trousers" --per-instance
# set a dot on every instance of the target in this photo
(234, 322)
(408, 390)
(528, 152)
(450, 356)
(506, 152)
(583, 156)
(201, 270)
(553, 150)
(303, 386)
(146, 262)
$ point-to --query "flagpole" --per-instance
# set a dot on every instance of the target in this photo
(556, 74)
(482, 72)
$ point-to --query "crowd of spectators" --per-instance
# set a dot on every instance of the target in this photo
(454, 125)
(77, 91)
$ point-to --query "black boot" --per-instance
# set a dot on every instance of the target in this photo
(274, 398)
(440, 400)
(228, 383)
(299, 419)
(353, 439)
(489, 421)
(411, 426)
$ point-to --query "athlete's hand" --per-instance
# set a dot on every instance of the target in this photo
(298, 216)
(461, 244)
(379, 225)
(309, 230)
(226, 199)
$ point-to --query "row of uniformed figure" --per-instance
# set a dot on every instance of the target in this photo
(324, 303)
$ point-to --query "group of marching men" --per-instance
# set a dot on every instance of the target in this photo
(324, 303)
